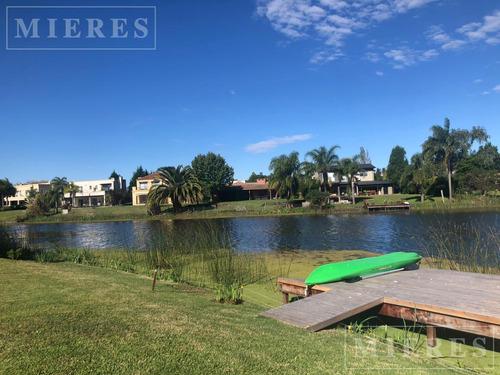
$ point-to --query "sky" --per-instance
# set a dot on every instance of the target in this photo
(250, 80)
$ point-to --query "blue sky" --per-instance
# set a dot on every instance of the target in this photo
(252, 80)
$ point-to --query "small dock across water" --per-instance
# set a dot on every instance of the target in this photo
(462, 301)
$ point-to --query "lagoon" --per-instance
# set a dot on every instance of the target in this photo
(380, 232)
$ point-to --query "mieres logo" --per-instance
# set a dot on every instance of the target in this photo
(80, 27)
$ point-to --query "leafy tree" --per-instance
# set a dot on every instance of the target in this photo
(449, 146)
(349, 167)
(58, 186)
(396, 167)
(139, 172)
(322, 161)
(284, 178)
(364, 157)
(6, 189)
(179, 185)
(479, 171)
(256, 176)
(213, 173)
(38, 205)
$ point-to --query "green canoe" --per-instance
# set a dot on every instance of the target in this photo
(351, 269)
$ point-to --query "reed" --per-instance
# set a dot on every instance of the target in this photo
(471, 247)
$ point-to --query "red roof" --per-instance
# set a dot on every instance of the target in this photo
(152, 176)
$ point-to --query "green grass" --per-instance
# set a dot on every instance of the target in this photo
(70, 319)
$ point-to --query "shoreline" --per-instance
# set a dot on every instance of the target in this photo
(199, 215)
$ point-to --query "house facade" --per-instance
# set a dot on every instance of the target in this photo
(93, 192)
(365, 183)
(143, 186)
(242, 190)
(22, 193)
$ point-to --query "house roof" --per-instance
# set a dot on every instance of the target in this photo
(367, 167)
(152, 176)
(251, 185)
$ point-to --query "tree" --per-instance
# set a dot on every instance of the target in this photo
(256, 176)
(396, 167)
(115, 176)
(419, 173)
(349, 167)
(284, 178)
(449, 146)
(479, 171)
(364, 157)
(6, 189)
(322, 162)
(139, 172)
(72, 189)
(179, 184)
(58, 186)
(213, 173)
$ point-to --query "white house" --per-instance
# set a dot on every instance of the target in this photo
(93, 193)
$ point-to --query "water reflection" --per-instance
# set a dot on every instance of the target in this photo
(375, 232)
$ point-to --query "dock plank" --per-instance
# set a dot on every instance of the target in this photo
(464, 295)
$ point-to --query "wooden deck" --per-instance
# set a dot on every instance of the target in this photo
(387, 207)
(463, 301)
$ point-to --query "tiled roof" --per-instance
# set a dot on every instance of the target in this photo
(152, 176)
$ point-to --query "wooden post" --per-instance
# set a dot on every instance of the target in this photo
(431, 336)
(286, 298)
(154, 278)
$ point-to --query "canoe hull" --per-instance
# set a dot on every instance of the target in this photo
(351, 269)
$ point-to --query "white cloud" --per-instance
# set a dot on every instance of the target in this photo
(404, 56)
(380, 74)
(486, 93)
(496, 88)
(325, 56)
(330, 21)
(268, 145)
(232, 92)
(479, 80)
(437, 35)
(488, 30)
(454, 44)
(372, 56)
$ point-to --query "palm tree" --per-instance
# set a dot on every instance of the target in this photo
(6, 189)
(177, 184)
(72, 189)
(58, 186)
(322, 162)
(284, 178)
(449, 146)
(349, 167)
(419, 175)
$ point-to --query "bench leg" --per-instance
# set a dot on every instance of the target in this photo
(431, 336)
(286, 298)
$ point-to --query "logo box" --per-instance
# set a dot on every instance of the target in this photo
(80, 27)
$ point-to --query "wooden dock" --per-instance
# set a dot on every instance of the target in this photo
(463, 301)
(387, 207)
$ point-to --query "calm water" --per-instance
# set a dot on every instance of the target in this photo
(372, 232)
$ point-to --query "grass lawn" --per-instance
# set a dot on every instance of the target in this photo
(70, 319)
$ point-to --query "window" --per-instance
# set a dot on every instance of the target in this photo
(143, 186)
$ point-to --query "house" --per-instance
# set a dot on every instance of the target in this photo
(143, 185)
(22, 192)
(365, 183)
(93, 192)
(242, 190)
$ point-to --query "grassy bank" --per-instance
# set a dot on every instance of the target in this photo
(65, 318)
(256, 208)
